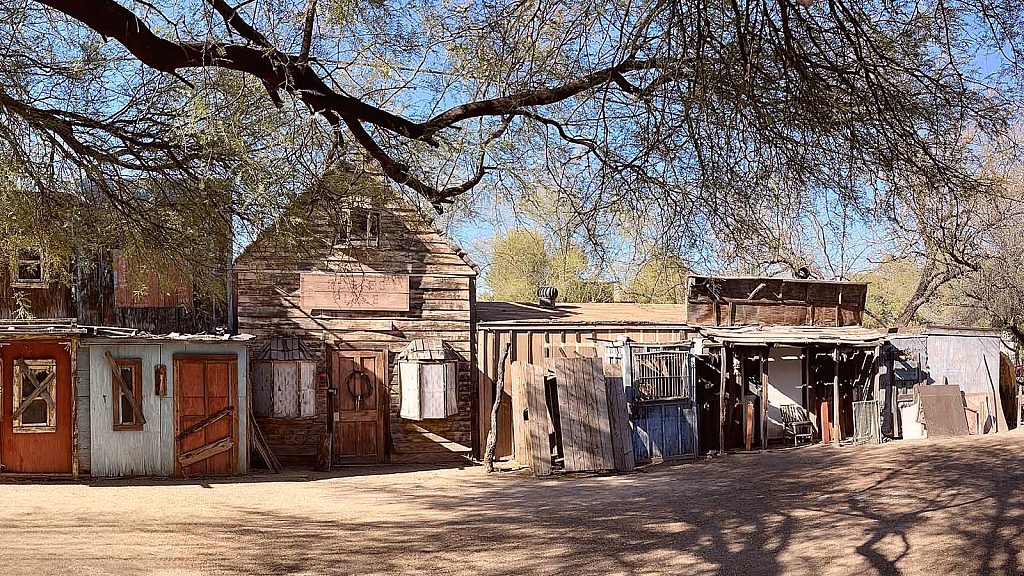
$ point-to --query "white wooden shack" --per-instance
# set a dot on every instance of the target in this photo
(191, 394)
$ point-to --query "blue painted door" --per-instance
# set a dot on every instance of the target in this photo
(660, 394)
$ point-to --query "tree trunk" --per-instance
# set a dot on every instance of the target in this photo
(492, 436)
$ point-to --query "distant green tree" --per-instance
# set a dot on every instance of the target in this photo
(523, 260)
(659, 279)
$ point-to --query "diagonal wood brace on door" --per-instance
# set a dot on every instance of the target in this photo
(38, 391)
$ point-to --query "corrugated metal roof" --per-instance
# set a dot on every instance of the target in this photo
(763, 335)
(582, 314)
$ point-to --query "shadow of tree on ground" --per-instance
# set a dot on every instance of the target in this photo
(915, 507)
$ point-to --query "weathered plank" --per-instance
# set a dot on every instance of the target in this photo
(205, 422)
(207, 451)
(622, 437)
(286, 390)
(520, 440)
(538, 425)
(584, 415)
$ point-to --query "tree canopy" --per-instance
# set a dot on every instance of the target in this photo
(741, 135)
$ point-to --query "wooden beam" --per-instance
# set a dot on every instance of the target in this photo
(204, 423)
(835, 397)
(124, 387)
(204, 452)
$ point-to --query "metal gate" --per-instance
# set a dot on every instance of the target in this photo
(660, 394)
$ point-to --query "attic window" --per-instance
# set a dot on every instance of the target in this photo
(360, 227)
(30, 268)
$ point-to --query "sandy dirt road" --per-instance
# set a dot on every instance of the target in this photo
(916, 507)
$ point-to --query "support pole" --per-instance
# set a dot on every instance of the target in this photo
(835, 397)
(748, 415)
(721, 401)
(765, 353)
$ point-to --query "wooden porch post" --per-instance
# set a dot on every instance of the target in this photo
(721, 401)
(747, 416)
(765, 351)
(835, 397)
(878, 376)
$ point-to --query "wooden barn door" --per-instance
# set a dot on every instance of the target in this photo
(35, 408)
(360, 406)
(206, 415)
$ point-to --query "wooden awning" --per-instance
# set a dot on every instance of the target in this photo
(855, 336)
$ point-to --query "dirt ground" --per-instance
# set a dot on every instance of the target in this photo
(947, 507)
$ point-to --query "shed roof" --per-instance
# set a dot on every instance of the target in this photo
(696, 277)
(797, 335)
(936, 330)
(625, 314)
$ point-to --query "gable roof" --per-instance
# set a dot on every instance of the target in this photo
(389, 203)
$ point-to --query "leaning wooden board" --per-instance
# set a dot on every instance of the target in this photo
(622, 436)
(530, 418)
(943, 408)
(583, 412)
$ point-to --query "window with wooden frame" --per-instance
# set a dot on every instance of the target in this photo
(30, 271)
(360, 226)
(125, 417)
(35, 392)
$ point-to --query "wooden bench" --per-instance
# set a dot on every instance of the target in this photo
(796, 423)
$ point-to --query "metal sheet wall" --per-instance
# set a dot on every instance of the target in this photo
(535, 343)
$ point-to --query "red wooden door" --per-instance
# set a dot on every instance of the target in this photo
(38, 440)
(204, 386)
(360, 407)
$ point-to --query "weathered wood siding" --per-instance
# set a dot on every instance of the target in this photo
(150, 451)
(773, 301)
(82, 407)
(95, 304)
(532, 344)
(441, 294)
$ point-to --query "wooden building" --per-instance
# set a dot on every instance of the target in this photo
(726, 301)
(78, 398)
(533, 333)
(769, 377)
(181, 410)
(107, 290)
(333, 308)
